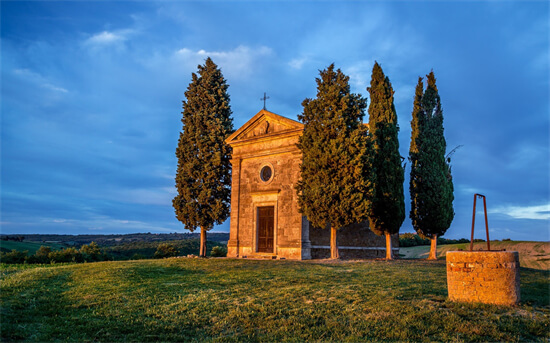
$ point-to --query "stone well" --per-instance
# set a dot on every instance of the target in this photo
(490, 277)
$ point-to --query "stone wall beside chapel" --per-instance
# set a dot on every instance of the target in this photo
(354, 241)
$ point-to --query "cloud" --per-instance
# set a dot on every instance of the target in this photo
(236, 63)
(55, 88)
(106, 37)
(360, 74)
(107, 41)
(466, 190)
(39, 80)
(541, 212)
(160, 196)
(526, 154)
(106, 223)
(298, 63)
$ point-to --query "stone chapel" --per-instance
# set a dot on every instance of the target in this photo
(265, 221)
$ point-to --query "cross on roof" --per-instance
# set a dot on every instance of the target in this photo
(264, 99)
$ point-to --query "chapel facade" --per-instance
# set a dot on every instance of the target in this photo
(265, 221)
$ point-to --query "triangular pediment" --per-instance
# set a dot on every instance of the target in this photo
(262, 124)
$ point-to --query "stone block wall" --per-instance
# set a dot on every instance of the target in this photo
(354, 241)
(490, 277)
(280, 194)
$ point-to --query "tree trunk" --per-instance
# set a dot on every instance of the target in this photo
(203, 243)
(433, 248)
(333, 245)
(389, 251)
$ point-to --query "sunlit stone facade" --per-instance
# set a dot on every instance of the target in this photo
(265, 221)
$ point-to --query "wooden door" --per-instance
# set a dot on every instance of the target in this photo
(266, 220)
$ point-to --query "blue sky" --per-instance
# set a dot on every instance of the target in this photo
(92, 91)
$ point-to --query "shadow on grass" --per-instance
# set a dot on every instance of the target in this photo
(32, 304)
(534, 286)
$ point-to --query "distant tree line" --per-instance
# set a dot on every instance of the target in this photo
(412, 240)
(45, 254)
(147, 250)
(111, 240)
(12, 238)
(93, 253)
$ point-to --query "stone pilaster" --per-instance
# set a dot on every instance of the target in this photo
(306, 243)
(233, 243)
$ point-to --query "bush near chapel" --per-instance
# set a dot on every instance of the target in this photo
(65, 255)
(412, 240)
(45, 254)
(93, 252)
(166, 250)
(13, 257)
(41, 256)
(218, 251)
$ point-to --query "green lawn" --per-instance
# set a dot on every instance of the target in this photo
(31, 247)
(248, 300)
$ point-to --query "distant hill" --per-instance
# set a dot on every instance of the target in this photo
(111, 240)
(534, 255)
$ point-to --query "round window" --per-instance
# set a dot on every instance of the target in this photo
(266, 173)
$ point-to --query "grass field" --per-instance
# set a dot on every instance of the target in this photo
(534, 255)
(248, 300)
(31, 247)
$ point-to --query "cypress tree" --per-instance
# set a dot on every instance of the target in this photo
(203, 177)
(334, 190)
(431, 184)
(388, 205)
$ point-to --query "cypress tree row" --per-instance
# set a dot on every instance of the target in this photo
(431, 183)
(334, 189)
(388, 205)
(203, 177)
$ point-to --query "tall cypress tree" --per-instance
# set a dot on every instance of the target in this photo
(334, 190)
(431, 183)
(416, 159)
(388, 205)
(203, 177)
